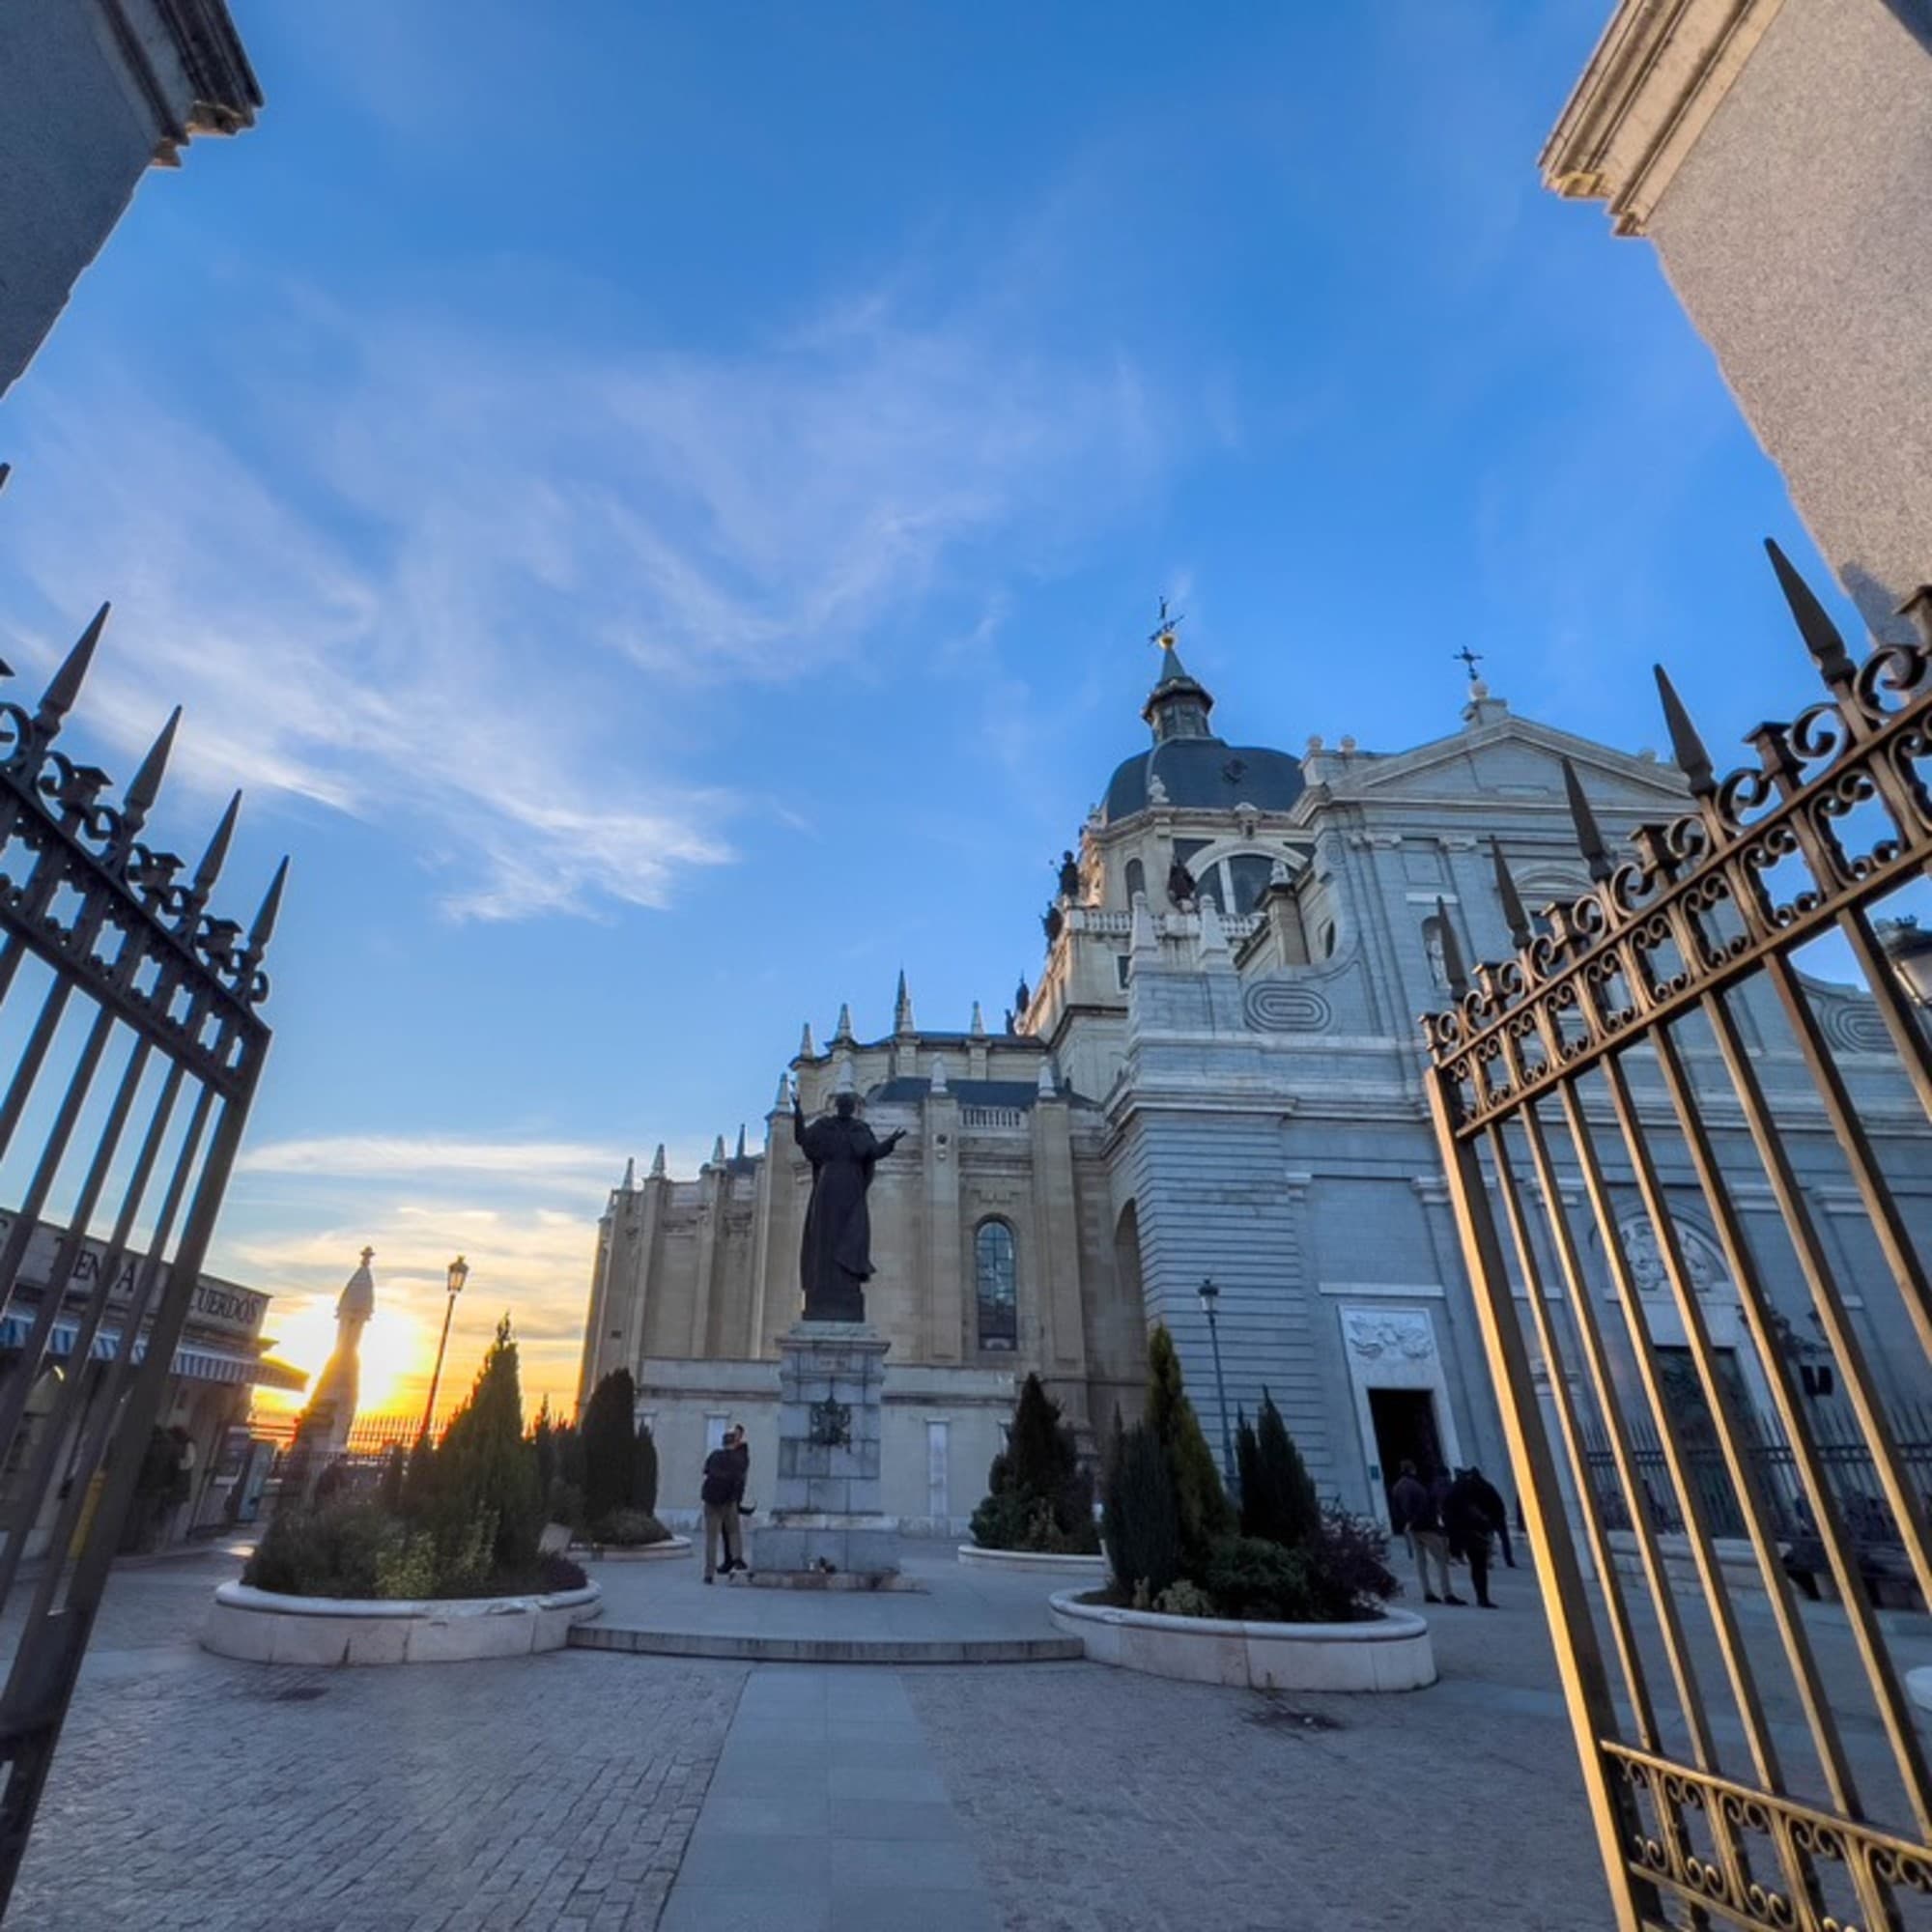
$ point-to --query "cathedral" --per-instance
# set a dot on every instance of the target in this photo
(1215, 1081)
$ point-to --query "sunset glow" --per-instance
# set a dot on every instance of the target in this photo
(396, 1354)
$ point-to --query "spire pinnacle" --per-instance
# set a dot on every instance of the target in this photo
(781, 1102)
(1515, 917)
(979, 1026)
(1686, 746)
(741, 1140)
(147, 781)
(1821, 636)
(902, 1007)
(718, 1151)
(807, 1048)
(64, 685)
(629, 1183)
(212, 861)
(1589, 835)
(658, 1163)
(843, 1029)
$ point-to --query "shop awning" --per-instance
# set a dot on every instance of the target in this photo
(197, 1361)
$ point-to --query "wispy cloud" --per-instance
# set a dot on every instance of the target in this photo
(397, 1155)
(477, 584)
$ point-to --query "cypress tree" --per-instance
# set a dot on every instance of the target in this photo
(485, 1469)
(609, 1436)
(1202, 1511)
(1139, 1526)
(1247, 1466)
(1278, 1501)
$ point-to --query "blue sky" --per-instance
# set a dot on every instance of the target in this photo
(661, 509)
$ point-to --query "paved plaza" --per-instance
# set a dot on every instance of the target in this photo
(596, 1791)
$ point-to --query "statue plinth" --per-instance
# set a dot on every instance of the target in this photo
(827, 1504)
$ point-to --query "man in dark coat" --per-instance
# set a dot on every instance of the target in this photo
(725, 1472)
(1467, 1520)
(836, 1256)
(1412, 1507)
(1492, 1500)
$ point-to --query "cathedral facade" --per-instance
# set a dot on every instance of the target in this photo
(1217, 1079)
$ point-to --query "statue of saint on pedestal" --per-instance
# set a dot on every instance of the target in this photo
(835, 1257)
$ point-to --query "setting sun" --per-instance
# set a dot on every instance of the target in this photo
(395, 1355)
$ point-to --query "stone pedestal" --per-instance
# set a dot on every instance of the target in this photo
(826, 1504)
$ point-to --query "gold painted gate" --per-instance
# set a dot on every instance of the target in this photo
(1653, 1057)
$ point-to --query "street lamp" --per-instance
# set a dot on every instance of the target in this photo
(459, 1273)
(1209, 1295)
(1910, 951)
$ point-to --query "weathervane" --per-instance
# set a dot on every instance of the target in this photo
(1163, 632)
(1465, 656)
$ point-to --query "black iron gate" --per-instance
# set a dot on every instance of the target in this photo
(1750, 1760)
(131, 1046)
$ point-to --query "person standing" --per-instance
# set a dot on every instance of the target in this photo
(1466, 1517)
(1412, 1506)
(1492, 1500)
(724, 1471)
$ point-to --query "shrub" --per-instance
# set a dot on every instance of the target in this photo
(1259, 1580)
(1186, 1600)
(609, 1433)
(1140, 1527)
(628, 1529)
(1039, 1496)
(1278, 1499)
(558, 1572)
(567, 1504)
(1202, 1511)
(336, 1550)
(407, 1566)
(1351, 1570)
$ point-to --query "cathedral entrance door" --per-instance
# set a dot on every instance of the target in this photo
(1404, 1423)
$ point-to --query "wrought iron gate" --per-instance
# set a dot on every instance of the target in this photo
(1748, 1761)
(131, 1045)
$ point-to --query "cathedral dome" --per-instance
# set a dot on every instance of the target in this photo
(1207, 774)
(1196, 770)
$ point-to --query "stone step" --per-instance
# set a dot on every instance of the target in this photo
(828, 1650)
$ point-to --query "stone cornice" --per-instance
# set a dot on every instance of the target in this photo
(186, 61)
(1658, 76)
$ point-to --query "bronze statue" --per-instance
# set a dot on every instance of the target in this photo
(836, 1256)
(1069, 876)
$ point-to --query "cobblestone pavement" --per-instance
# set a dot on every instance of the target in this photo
(195, 1791)
(562, 1791)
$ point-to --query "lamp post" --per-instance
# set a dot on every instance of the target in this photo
(1909, 948)
(1209, 1295)
(459, 1273)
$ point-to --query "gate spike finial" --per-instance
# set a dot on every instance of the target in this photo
(147, 781)
(263, 929)
(212, 861)
(6, 471)
(1589, 835)
(1453, 969)
(1821, 636)
(1517, 919)
(1686, 746)
(66, 683)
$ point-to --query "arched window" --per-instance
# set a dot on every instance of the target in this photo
(1136, 880)
(993, 1275)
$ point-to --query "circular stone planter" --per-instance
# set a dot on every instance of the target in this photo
(1033, 1562)
(641, 1553)
(1390, 1653)
(264, 1626)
